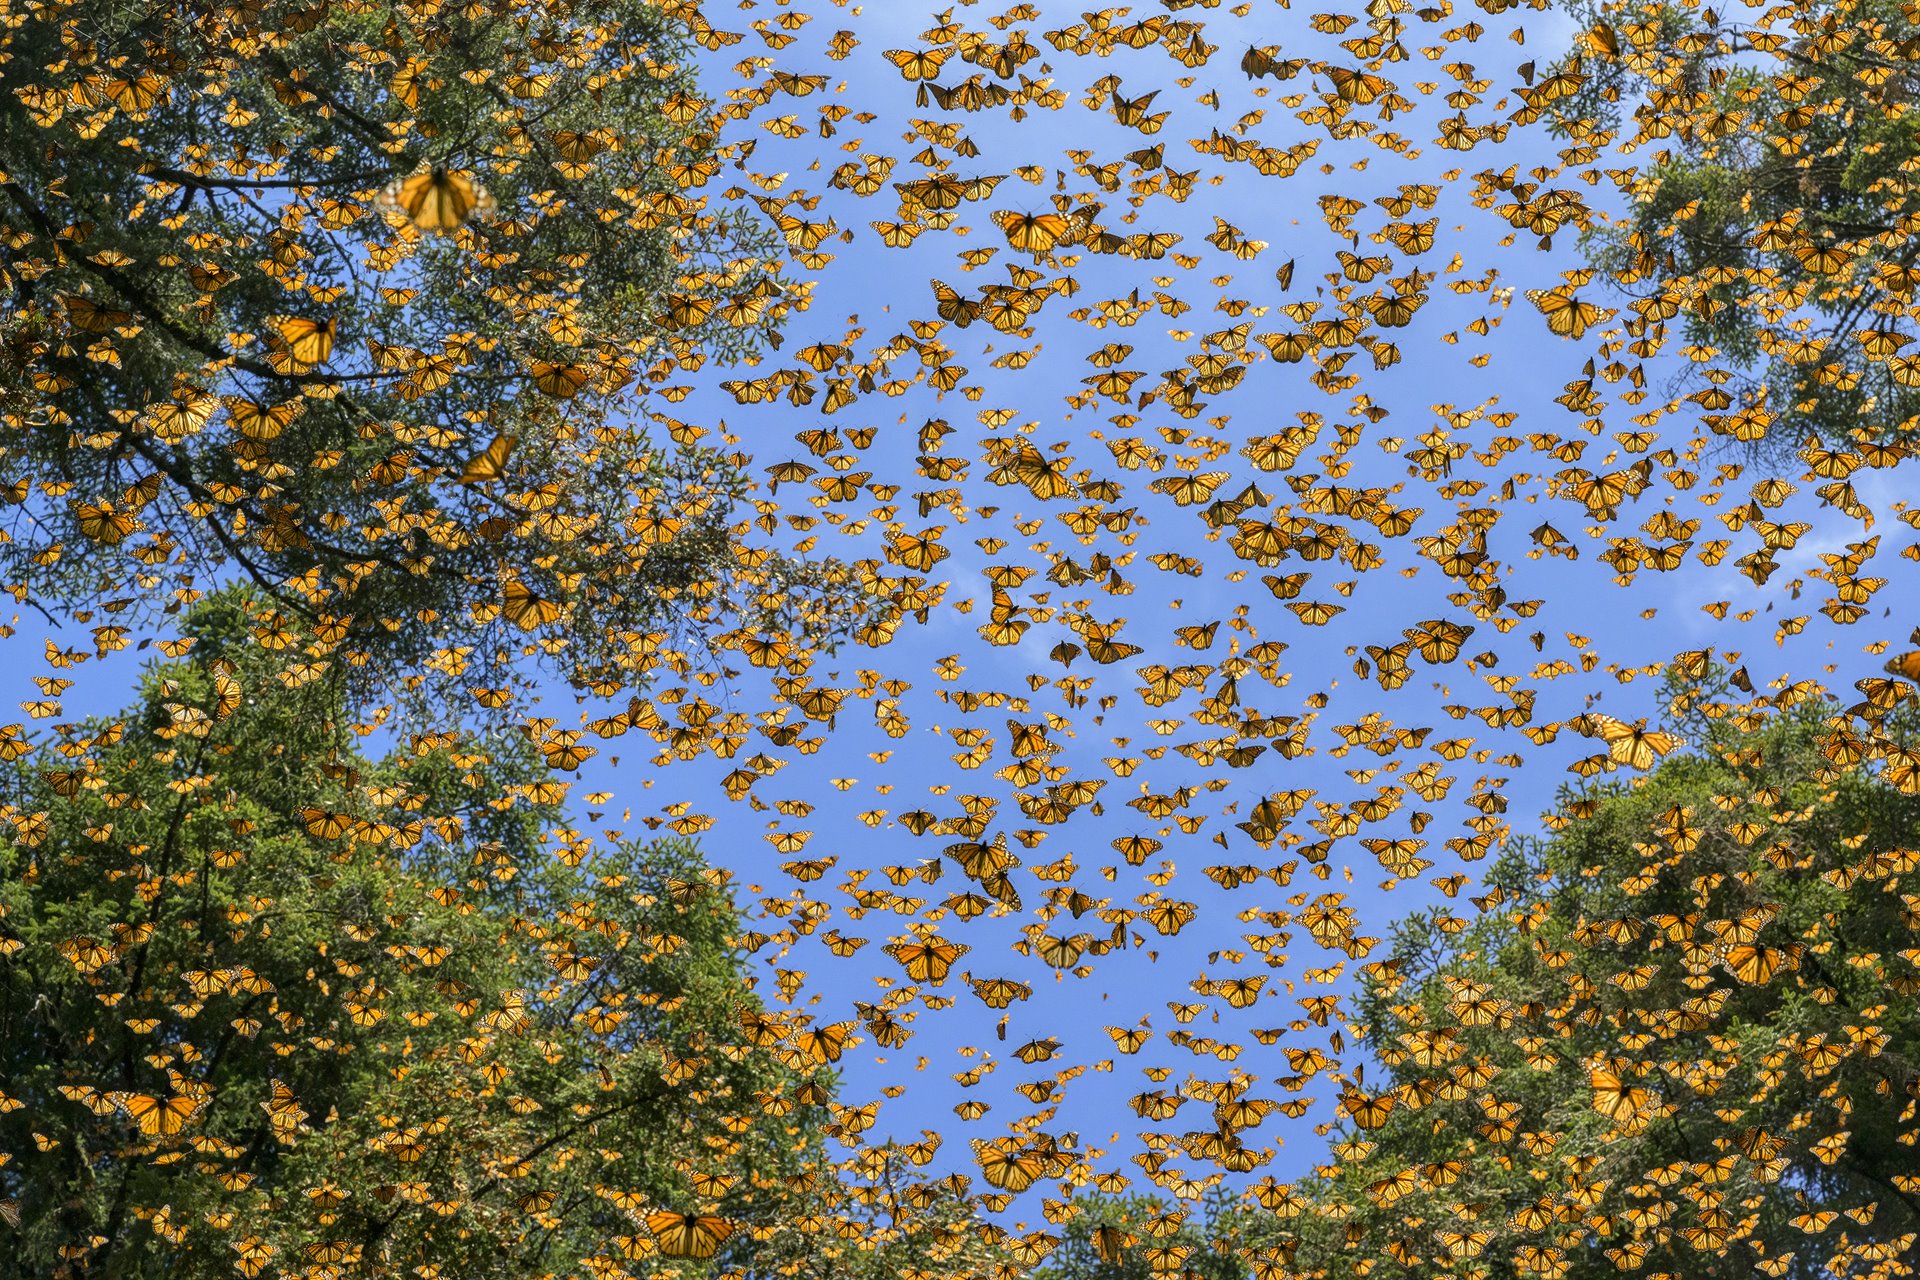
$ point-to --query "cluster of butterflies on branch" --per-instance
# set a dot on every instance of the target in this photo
(1216, 411)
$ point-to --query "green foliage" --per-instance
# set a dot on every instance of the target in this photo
(1589, 1076)
(1783, 195)
(437, 1041)
(1147, 1237)
(910, 1230)
(180, 184)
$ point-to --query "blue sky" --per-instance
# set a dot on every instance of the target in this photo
(1626, 631)
(850, 792)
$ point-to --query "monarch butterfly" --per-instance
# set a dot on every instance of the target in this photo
(712, 1184)
(1613, 1097)
(1464, 1244)
(686, 1235)
(954, 306)
(1825, 258)
(684, 311)
(330, 1252)
(1906, 665)
(918, 551)
(1061, 953)
(1567, 315)
(824, 1044)
(257, 421)
(1031, 468)
(1189, 489)
(104, 523)
(1151, 245)
(1010, 1171)
(566, 753)
(1110, 1242)
(325, 824)
(1038, 1050)
(526, 610)
(1394, 1187)
(1359, 87)
(138, 94)
(1033, 233)
(160, 1116)
(308, 342)
(1316, 613)
(1367, 1112)
(1394, 311)
(561, 381)
(1242, 992)
(181, 416)
(490, 463)
(438, 199)
(1169, 917)
(928, 960)
(226, 690)
(1134, 114)
(1103, 648)
(576, 151)
(1635, 746)
(1288, 348)
(86, 1095)
(1749, 924)
(1438, 641)
(529, 86)
(999, 993)
(89, 315)
(255, 1254)
(1754, 964)
(897, 235)
(917, 64)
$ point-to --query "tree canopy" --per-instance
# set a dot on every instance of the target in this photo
(1776, 217)
(339, 298)
(1086, 515)
(269, 1002)
(1684, 1019)
(1139, 1237)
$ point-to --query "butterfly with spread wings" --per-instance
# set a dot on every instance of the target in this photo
(490, 463)
(1567, 314)
(688, 1235)
(161, 1117)
(437, 199)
